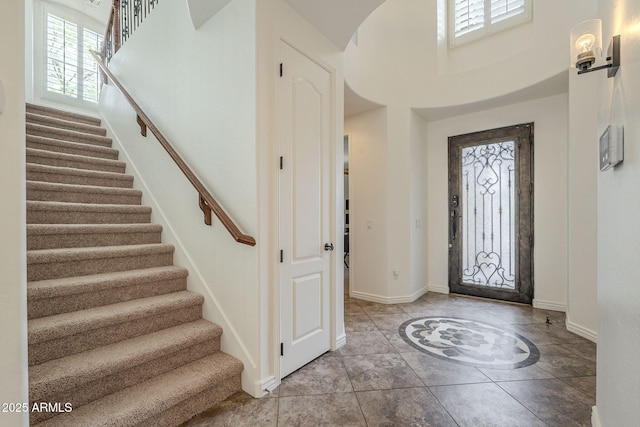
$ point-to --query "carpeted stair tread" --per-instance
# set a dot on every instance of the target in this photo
(77, 254)
(71, 147)
(55, 296)
(83, 213)
(74, 193)
(67, 135)
(56, 236)
(145, 403)
(61, 325)
(51, 158)
(81, 378)
(64, 334)
(79, 284)
(59, 123)
(71, 370)
(67, 262)
(67, 175)
(61, 114)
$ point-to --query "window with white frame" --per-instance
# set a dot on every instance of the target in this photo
(473, 19)
(71, 72)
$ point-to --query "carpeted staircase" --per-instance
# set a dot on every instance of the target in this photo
(112, 329)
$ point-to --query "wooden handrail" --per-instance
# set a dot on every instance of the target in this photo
(206, 201)
(111, 43)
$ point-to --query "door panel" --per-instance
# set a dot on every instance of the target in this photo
(307, 170)
(307, 313)
(304, 132)
(490, 213)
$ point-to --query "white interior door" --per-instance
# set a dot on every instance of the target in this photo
(305, 137)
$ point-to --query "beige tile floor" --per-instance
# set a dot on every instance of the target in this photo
(377, 379)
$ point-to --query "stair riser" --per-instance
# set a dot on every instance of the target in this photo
(66, 125)
(78, 150)
(82, 393)
(72, 117)
(76, 163)
(189, 408)
(85, 240)
(68, 136)
(43, 195)
(70, 303)
(65, 217)
(83, 267)
(53, 349)
(60, 178)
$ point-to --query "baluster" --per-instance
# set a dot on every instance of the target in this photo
(129, 16)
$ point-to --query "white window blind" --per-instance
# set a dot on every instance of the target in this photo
(71, 71)
(471, 19)
(468, 15)
(505, 9)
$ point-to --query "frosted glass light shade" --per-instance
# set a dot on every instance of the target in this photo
(586, 44)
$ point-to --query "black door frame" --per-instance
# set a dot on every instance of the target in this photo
(522, 135)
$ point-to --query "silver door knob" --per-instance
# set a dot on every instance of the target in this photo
(328, 246)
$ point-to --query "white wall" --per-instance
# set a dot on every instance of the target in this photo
(550, 192)
(386, 205)
(582, 310)
(398, 203)
(618, 373)
(369, 275)
(13, 289)
(418, 194)
(199, 87)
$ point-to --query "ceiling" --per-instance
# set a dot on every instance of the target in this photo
(336, 19)
(355, 104)
(554, 85)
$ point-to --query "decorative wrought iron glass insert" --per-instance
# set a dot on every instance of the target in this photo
(488, 215)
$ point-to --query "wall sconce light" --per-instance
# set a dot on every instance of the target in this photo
(586, 48)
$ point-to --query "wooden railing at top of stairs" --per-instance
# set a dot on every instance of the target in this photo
(111, 42)
(207, 202)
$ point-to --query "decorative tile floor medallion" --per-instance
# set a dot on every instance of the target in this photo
(470, 343)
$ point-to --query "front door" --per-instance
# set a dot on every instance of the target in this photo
(491, 213)
(305, 104)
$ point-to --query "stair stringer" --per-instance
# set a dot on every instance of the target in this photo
(232, 341)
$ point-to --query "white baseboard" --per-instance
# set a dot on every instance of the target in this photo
(549, 305)
(417, 294)
(267, 385)
(440, 289)
(388, 300)
(582, 331)
(595, 417)
(341, 341)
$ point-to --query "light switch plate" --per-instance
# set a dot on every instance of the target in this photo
(611, 147)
